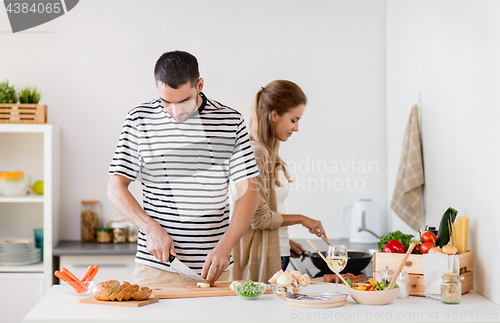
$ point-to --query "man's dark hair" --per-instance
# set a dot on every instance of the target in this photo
(176, 69)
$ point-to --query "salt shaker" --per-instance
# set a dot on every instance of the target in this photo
(401, 281)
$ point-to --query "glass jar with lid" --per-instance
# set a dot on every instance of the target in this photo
(451, 288)
(119, 231)
(89, 219)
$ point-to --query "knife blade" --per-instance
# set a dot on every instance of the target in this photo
(184, 270)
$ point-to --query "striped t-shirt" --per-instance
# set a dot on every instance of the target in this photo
(185, 169)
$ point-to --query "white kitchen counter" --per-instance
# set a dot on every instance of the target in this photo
(58, 306)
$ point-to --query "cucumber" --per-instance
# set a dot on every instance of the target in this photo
(444, 226)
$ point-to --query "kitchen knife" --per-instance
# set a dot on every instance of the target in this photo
(184, 270)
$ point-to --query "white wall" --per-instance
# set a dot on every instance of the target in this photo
(96, 62)
(448, 51)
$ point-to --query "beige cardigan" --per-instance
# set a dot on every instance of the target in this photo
(257, 255)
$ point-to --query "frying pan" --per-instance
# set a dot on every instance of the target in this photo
(356, 263)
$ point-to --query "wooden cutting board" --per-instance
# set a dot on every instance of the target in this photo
(92, 300)
(187, 290)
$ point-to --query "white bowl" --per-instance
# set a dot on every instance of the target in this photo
(16, 187)
(83, 289)
(379, 297)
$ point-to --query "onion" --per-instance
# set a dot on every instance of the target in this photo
(449, 249)
(434, 249)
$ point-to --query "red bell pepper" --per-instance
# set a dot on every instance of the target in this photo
(394, 246)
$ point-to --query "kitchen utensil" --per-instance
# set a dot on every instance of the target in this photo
(401, 265)
(325, 239)
(338, 274)
(364, 216)
(319, 300)
(189, 290)
(304, 296)
(184, 270)
(357, 261)
(92, 300)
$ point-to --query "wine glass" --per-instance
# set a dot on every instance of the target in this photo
(336, 257)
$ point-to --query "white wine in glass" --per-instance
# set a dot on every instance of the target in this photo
(336, 258)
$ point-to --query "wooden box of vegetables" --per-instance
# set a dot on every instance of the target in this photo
(451, 240)
(416, 280)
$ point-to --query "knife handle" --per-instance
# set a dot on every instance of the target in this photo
(171, 258)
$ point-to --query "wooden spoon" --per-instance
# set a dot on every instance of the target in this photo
(401, 265)
(325, 239)
(342, 278)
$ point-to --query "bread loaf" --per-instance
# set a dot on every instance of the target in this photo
(142, 294)
(103, 290)
(111, 290)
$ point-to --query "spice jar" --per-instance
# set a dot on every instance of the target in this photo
(104, 235)
(451, 288)
(386, 275)
(401, 281)
(119, 231)
(89, 220)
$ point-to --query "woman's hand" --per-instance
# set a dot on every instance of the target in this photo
(296, 250)
(314, 226)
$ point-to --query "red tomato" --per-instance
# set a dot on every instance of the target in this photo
(429, 237)
(416, 249)
(426, 247)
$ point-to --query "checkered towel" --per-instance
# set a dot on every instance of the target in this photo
(406, 200)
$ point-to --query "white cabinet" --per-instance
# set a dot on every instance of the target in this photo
(33, 149)
(20, 293)
(110, 267)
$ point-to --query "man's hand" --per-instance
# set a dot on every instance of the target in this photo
(215, 264)
(160, 244)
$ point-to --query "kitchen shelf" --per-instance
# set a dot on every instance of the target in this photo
(35, 268)
(23, 199)
(34, 149)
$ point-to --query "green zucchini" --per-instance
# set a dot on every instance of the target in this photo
(445, 225)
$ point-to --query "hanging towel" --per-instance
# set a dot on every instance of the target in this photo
(406, 200)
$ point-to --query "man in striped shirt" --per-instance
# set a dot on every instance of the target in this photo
(185, 147)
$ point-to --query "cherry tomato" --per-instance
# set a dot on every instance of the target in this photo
(416, 249)
(429, 237)
(424, 248)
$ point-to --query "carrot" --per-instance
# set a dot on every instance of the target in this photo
(87, 273)
(62, 276)
(70, 275)
(94, 272)
(75, 280)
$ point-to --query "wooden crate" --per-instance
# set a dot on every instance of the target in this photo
(23, 113)
(416, 279)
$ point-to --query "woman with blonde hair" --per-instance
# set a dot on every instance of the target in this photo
(265, 247)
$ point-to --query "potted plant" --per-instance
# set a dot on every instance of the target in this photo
(7, 93)
(27, 111)
(29, 95)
